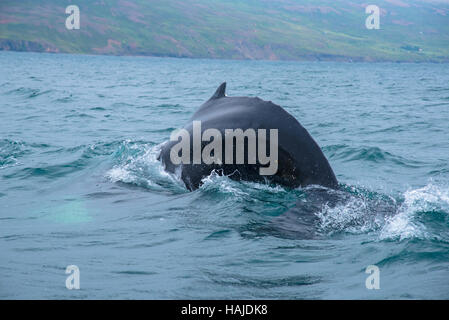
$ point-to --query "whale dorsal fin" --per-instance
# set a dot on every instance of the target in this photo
(220, 93)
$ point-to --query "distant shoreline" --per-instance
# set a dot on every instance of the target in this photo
(347, 60)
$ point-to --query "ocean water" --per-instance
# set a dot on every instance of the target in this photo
(80, 183)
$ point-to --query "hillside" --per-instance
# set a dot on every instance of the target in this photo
(227, 29)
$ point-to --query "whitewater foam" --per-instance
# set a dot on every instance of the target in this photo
(405, 224)
(138, 165)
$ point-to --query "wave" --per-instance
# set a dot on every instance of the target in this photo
(10, 152)
(356, 215)
(98, 109)
(424, 214)
(66, 99)
(369, 154)
(421, 213)
(29, 92)
(137, 164)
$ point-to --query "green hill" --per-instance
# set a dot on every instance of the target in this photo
(271, 29)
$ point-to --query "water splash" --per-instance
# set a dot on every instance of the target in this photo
(138, 165)
(418, 207)
(353, 216)
(421, 213)
(357, 211)
(216, 182)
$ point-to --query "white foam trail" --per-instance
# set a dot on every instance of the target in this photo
(144, 170)
(353, 216)
(404, 225)
(265, 187)
(121, 174)
(356, 215)
(223, 184)
(361, 215)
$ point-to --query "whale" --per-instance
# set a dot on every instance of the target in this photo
(296, 159)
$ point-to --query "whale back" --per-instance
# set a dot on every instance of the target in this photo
(300, 160)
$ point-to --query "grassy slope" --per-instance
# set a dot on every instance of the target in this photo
(281, 29)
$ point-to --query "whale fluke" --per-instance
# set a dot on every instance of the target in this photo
(220, 93)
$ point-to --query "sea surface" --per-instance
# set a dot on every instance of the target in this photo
(80, 183)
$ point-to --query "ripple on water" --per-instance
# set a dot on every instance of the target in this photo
(232, 239)
(10, 152)
(369, 154)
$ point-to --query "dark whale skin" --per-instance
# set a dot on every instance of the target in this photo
(300, 160)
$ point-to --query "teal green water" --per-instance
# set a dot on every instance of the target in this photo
(80, 183)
